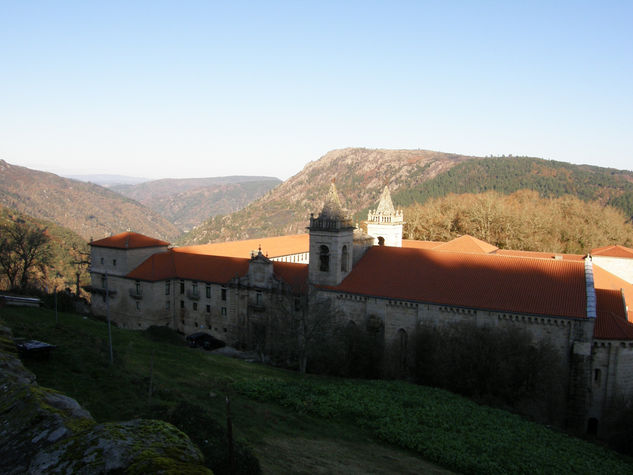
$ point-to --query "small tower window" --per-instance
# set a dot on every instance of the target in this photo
(344, 259)
(324, 258)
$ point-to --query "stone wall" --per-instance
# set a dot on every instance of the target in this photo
(572, 338)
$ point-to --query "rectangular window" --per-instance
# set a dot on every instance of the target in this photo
(102, 260)
(208, 308)
(182, 287)
(224, 311)
(297, 304)
(208, 291)
(195, 305)
(104, 281)
(182, 304)
(223, 294)
(168, 287)
(167, 305)
(194, 288)
(258, 298)
(138, 305)
(114, 262)
(138, 287)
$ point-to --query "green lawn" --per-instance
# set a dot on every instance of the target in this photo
(294, 423)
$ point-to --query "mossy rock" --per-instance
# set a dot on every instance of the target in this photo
(135, 447)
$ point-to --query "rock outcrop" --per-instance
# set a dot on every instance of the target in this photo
(44, 431)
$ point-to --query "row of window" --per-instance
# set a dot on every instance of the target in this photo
(103, 261)
(194, 307)
(194, 289)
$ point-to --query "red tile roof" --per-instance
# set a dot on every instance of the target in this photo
(610, 321)
(296, 275)
(540, 255)
(179, 265)
(484, 281)
(613, 251)
(216, 269)
(413, 244)
(271, 247)
(129, 240)
(466, 243)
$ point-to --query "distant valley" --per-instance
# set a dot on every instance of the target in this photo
(187, 202)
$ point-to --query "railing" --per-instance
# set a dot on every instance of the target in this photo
(136, 293)
(193, 294)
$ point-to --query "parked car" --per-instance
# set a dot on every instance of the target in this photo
(204, 340)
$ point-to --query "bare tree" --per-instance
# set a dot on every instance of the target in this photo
(23, 247)
(315, 322)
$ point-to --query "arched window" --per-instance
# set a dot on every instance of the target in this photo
(402, 343)
(324, 258)
(344, 259)
(381, 241)
(592, 426)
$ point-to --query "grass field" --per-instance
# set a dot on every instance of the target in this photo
(294, 423)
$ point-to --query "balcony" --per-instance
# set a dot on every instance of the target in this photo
(193, 294)
(136, 292)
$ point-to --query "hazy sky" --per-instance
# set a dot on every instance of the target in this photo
(186, 88)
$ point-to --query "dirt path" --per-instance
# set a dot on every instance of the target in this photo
(308, 456)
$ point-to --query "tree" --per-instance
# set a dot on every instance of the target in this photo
(23, 248)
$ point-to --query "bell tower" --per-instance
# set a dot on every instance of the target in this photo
(384, 223)
(331, 242)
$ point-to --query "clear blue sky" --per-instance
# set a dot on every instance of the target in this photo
(187, 88)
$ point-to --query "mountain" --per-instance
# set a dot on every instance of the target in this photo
(108, 180)
(85, 208)
(185, 202)
(413, 176)
(360, 176)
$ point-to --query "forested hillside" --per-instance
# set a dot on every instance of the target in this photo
(522, 220)
(188, 202)
(88, 210)
(509, 174)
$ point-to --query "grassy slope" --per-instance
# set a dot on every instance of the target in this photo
(299, 424)
(284, 441)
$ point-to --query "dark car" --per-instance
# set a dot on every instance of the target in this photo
(204, 340)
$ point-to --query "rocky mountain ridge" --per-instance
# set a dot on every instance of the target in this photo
(360, 175)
